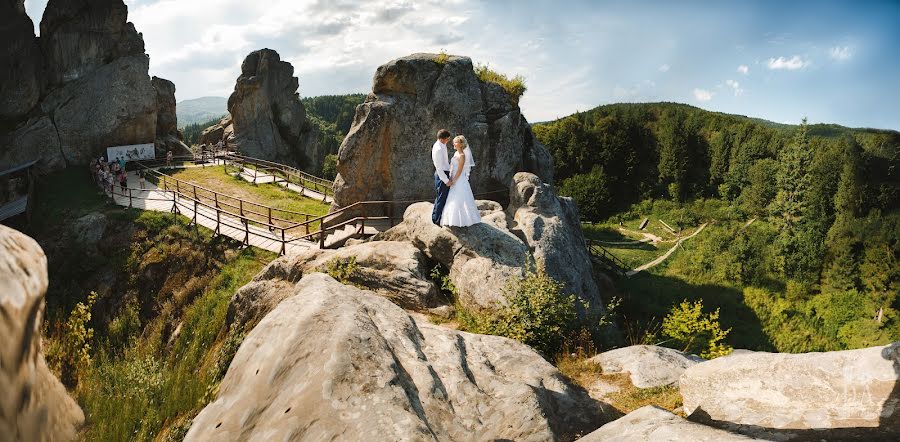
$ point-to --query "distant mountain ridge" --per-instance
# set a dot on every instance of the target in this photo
(201, 109)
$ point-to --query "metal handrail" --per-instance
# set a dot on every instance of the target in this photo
(306, 180)
(595, 249)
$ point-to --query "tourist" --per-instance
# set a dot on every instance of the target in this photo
(110, 180)
(123, 180)
(122, 163)
(169, 158)
(141, 178)
(114, 167)
(101, 179)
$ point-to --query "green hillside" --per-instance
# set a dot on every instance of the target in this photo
(199, 110)
(802, 252)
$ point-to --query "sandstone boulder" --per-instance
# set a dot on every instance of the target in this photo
(537, 225)
(21, 78)
(648, 365)
(482, 258)
(269, 119)
(334, 362)
(551, 227)
(395, 270)
(841, 394)
(34, 405)
(653, 424)
(217, 132)
(387, 153)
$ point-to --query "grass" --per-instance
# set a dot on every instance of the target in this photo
(216, 179)
(154, 387)
(515, 86)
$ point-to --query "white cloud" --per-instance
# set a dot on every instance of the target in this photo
(703, 94)
(744, 69)
(664, 68)
(642, 91)
(840, 53)
(791, 64)
(738, 91)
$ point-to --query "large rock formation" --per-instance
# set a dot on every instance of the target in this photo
(78, 89)
(334, 362)
(842, 394)
(34, 405)
(387, 153)
(167, 134)
(269, 119)
(651, 424)
(647, 365)
(395, 270)
(536, 226)
(21, 78)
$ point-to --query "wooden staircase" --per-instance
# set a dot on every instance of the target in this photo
(605, 259)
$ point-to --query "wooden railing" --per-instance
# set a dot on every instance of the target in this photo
(261, 214)
(283, 172)
(606, 258)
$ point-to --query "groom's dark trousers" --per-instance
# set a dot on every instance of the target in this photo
(440, 200)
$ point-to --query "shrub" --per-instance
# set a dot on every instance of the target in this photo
(515, 86)
(696, 332)
(442, 57)
(342, 269)
(73, 353)
(537, 313)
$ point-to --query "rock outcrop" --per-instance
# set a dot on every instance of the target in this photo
(34, 405)
(841, 394)
(222, 131)
(21, 78)
(269, 119)
(536, 226)
(647, 365)
(167, 134)
(334, 362)
(653, 424)
(79, 88)
(387, 152)
(395, 270)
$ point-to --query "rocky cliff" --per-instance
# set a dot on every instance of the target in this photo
(34, 405)
(167, 134)
(80, 87)
(387, 153)
(269, 119)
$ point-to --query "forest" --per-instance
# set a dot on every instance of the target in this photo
(802, 249)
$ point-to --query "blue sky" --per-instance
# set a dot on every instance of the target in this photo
(831, 61)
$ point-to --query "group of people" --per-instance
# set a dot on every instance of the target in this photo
(107, 173)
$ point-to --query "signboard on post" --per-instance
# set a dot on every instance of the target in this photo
(134, 152)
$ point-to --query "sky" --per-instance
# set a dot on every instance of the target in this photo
(833, 62)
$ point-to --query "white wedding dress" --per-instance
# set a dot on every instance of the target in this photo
(461, 210)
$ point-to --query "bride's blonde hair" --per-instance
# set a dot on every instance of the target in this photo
(462, 140)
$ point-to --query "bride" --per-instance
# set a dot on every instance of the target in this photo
(460, 210)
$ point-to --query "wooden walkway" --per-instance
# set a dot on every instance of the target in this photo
(254, 176)
(152, 198)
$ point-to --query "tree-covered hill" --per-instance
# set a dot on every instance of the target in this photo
(820, 267)
(333, 115)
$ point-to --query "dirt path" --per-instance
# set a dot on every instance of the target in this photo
(662, 258)
(653, 238)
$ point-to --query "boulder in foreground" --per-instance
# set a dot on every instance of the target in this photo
(652, 424)
(648, 365)
(334, 362)
(840, 394)
(34, 405)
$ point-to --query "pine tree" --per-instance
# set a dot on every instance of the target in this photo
(787, 210)
(673, 155)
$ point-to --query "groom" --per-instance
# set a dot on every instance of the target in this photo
(441, 174)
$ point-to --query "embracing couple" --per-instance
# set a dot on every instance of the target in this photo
(454, 203)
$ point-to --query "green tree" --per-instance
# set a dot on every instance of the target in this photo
(329, 168)
(591, 193)
(673, 155)
(760, 191)
(696, 332)
(789, 206)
